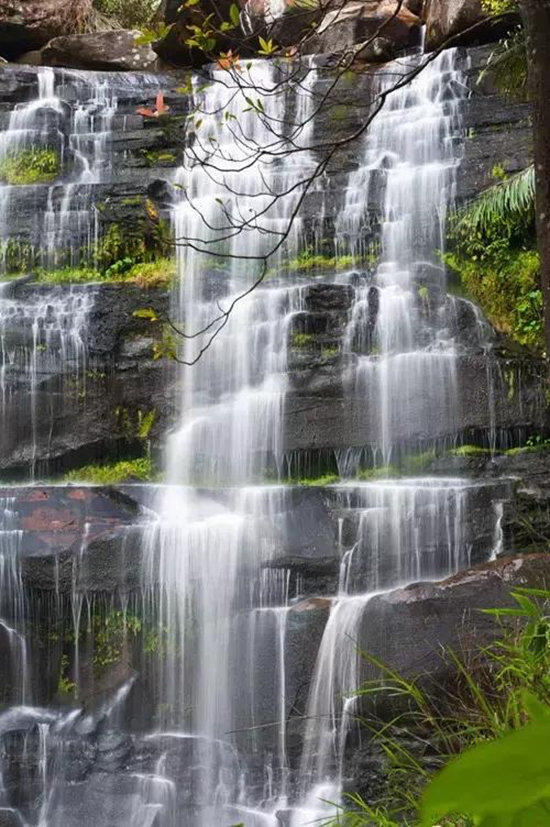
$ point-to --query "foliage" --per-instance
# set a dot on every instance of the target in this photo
(69, 275)
(112, 474)
(30, 166)
(146, 275)
(129, 13)
(507, 65)
(492, 248)
(502, 783)
(110, 632)
(18, 257)
(65, 685)
(308, 261)
(483, 719)
(151, 274)
(302, 341)
(506, 205)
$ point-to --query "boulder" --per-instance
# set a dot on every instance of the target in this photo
(108, 51)
(29, 24)
(455, 18)
(339, 26)
(384, 28)
(409, 628)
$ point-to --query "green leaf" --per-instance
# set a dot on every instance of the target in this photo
(234, 14)
(537, 711)
(146, 313)
(494, 779)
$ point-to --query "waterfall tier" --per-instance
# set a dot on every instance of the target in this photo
(184, 654)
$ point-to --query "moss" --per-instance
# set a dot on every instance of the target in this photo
(469, 451)
(159, 273)
(307, 262)
(69, 275)
(381, 472)
(114, 473)
(30, 166)
(417, 463)
(145, 423)
(302, 340)
(327, 479)
(507, 289)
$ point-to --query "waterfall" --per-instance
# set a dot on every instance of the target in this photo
(407, 364)
(238, 707)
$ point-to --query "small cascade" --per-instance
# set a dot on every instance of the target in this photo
(13, 605)
(70, 220)
(407, 359)
(43, 357)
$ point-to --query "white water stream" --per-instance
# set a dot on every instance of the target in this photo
(226, 620)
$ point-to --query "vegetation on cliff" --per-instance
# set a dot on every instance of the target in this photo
(477, 749)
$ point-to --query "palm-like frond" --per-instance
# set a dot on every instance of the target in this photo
(507, 65)
(511, 201)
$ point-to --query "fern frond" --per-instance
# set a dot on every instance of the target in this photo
(511, 201)
(507, 65)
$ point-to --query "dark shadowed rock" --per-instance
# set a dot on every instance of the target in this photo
(409, 628)
(393, 26)
(173, 48)
(29, 24)
(116, 51)
(449, 18)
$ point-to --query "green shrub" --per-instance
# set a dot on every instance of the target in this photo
(114, 473)
(30, 166)
(493, 250)
(496, 692)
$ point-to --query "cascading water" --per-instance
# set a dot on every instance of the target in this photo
(219, 604)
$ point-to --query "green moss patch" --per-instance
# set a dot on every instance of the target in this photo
(140, 470)
(30, 166)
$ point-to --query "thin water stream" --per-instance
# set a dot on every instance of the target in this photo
(226, 608)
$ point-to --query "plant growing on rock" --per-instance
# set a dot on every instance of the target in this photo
(30, 166)
(460, 745)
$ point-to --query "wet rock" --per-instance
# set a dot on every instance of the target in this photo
(108, 51)
(29, 24)
(10, 818)
(409, 628)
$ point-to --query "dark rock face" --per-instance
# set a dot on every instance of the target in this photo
(463, 20)
(356, 22)
(90, 410)
(107, 51)
(494, 128)
(173, 48)
(29, 24)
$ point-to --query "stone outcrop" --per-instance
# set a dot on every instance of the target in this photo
(460, 22)
(95, 412)
(105, 51)
(386, 28)
(29, 24)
